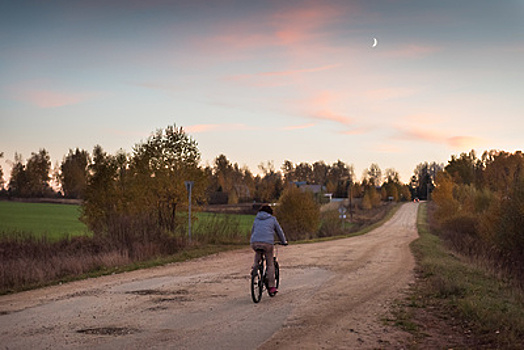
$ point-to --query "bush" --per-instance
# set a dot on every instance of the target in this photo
(298, 214)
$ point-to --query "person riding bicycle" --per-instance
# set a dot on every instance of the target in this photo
(263, 239)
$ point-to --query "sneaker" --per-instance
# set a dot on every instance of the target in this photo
(272, 291)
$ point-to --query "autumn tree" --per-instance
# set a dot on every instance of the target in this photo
(298, 213)
(302, 172)
(228, 182)
(339, 177)
(374, 175)
(141, 193)
(465, 168)
(320, 173)
(73, 173)
(393, 189)
(160, 166)
(423, 180)
(480, 206)
(31, 179)
(269, 185)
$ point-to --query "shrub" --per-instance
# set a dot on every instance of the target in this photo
(298, 214)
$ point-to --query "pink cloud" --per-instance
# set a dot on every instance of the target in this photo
(465, 142)
(285, 27)
(50, 99)
(357, 131)
(439, 137)
(298, 127)
(299, 71)
(334, 117)
(299, 24)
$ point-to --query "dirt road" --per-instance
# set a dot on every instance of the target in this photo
(333, 295)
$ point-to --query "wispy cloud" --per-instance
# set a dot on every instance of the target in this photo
(357, 131)
(285, 27)
(440, 137)
(463, 142)
(49, 98)
(331, 116)
(299, 127)
(305, 23)
(299, 71)
(202, 128)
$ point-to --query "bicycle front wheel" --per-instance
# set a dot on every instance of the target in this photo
(257, 284)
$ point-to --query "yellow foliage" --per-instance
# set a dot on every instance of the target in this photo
(447, 206)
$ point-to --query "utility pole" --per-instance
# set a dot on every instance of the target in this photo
(189, 187)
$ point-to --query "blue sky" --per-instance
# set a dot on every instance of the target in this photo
(266, 80)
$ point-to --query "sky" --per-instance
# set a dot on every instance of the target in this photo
(265, 81)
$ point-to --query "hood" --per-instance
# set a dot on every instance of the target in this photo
(262, 215)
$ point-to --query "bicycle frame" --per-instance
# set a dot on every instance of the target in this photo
(259, 281)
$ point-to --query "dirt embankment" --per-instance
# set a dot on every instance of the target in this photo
(333, 295)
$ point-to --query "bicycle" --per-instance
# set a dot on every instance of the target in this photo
(259, 280)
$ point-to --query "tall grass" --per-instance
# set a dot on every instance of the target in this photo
(28, 260)
(486, 311)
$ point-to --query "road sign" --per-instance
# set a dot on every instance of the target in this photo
(189, 185)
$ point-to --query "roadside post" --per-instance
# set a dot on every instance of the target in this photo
(189, 187)
(342, 210)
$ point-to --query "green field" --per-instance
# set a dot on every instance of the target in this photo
(245, 222)
(54, 220)
(57, 220)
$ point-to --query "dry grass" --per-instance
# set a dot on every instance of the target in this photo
(458, 304)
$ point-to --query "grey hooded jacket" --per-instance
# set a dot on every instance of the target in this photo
(264, 228)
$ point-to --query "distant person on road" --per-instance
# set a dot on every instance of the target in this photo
(263, 233)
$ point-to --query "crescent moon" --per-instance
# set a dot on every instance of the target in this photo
(375, 42)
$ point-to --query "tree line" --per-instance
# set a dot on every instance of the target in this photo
(144, 189)
(479, 208)
(222, 182)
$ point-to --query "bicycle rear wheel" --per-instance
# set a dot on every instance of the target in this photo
(257, 284)
(277, 274)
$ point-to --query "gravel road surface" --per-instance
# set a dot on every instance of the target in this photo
(333, 295)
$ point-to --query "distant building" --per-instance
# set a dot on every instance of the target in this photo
(318, 191)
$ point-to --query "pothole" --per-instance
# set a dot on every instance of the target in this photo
(176, 298)
(109, 331)
(158, 292)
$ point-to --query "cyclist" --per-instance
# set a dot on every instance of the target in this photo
(263, 239)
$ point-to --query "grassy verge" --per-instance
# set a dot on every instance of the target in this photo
(456, 304)
(361, 232)
(194, 252)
